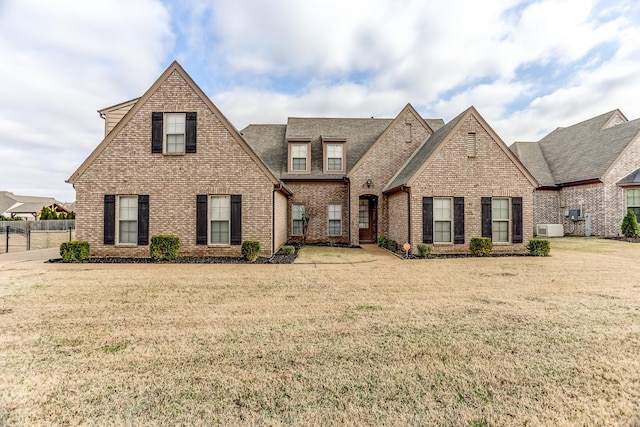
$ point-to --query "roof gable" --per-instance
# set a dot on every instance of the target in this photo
(408, 109)
(418, 161)
(173, 68)
(532, 158)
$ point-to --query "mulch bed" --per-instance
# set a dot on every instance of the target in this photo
(278, 258)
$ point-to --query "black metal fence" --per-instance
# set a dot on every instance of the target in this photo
(17, 235)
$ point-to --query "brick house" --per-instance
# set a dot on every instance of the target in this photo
(338, 180)
(588, 173)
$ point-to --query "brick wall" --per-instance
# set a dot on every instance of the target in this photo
(398, 224)
(220, 166)
(280, 213)
(591, 198)
(316, 197)
(380, 164)
(450, 173)
(546, 208)
(615, 196)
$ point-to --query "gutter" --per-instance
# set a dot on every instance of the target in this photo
(346, 180)
(407, 190)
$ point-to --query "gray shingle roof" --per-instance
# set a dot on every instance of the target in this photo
(270, 141)
(422, 154)
(532, 158)
(585, 150)
(6, 201)
(26, 204)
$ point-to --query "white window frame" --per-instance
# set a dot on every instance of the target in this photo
(334, 213)
(632, 198)
(501, 221)
(332, 154)
(296, 151)
(175, 125)
(297, 214)
(220, 213)
(124, 217)
(442, 217)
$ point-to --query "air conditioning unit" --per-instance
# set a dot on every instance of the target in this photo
(549, 230)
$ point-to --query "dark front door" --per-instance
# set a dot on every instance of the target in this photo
(367, 219)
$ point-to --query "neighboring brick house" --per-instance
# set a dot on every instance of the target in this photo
(171, 163)
(588, 173)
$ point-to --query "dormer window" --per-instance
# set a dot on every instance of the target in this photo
(334, 155)
(173, 133)
(299, 156)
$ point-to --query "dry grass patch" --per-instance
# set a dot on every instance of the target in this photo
(477, 341)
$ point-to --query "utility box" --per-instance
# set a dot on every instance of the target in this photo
(549, 230)
(574, 214)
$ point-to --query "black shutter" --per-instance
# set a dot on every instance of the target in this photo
(201, 219)
(143, 220)
(486, 217)
(190, 131)
(109, 219)
(236, 219)
(427, 220)
(156, 132)
(458, 220)
(516, 225)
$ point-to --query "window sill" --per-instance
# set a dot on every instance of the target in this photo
(173, 154)
(126, 245)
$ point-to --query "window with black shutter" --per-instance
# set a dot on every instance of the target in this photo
(109, 219)
(157, 131)
(516, 225)
(458, 220)
(427, 220)
(201, 219)
(486, 216)
(236, 219)
(190, 132)
(143, 219)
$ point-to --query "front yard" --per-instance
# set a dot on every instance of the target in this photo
(469, 342)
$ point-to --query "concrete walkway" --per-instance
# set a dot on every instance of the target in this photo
(35, 255)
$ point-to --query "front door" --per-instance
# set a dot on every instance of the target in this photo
(367, 218)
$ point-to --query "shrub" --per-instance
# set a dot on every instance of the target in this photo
(250, 250)
(288, 250)
(164, 247)
(538, 247)
(424, 250)
(630, 224)
(74, 251)
(382, 241)
(392, 245)
(481, 246)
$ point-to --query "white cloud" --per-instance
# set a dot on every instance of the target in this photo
(61, 62)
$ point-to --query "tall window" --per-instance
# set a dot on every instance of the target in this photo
(298, 157)
(500, 220)
(219, 215)
(334, 157)
(128, 219)
(297, 219)
(363, 213)
(174, 130)
(633, 201)
(335, 220)
(442, 220)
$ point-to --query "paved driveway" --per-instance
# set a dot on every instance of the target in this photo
(35, 255)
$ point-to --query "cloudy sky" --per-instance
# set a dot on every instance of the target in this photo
(528, 66)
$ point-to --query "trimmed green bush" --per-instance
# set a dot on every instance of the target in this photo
(481, 246)
(424, 250)
(630, 224)
(74, 251)
(382, 241)
(289, 250)
(538, 247)
(250, 250)
(392, 245)
(164, 247)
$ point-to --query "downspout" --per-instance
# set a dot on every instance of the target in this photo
(346, 180)
(407, 190)
(273, 222)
